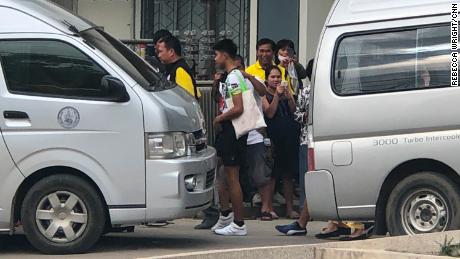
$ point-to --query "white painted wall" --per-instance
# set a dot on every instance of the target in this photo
(316, 14)
(116, 16)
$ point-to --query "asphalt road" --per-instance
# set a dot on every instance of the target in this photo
(177, 238)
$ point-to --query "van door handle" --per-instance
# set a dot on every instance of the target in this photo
(15, 115)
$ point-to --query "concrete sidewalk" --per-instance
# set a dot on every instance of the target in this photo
(403, 247)
(179, 237)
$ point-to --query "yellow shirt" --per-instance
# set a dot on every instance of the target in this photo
(184, 80)
(258, 71)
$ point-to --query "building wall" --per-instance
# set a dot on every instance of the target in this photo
(317, 12)
(122, 18)
(116, 16)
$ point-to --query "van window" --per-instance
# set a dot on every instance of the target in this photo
(393, 61)
(50, 68)
(144, 74)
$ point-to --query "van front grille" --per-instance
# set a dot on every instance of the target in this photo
(210, 176)
(201, 140)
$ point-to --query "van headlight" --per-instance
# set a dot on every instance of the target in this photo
(168, 145)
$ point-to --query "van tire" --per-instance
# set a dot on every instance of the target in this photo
(414, 195)
(89, 208)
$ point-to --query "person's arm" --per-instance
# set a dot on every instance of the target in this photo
(270, 108)
(301, 71)
(234, 112)
(184, 80)
(258, 85)
(215, 87)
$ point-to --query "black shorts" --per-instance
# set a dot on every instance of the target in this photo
(232, 151)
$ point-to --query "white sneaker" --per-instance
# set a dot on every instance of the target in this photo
(223, 221)
(232, 230)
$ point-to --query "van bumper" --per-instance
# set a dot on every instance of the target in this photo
(167, 198)
(320, 195)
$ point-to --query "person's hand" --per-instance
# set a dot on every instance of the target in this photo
(287, 92)
(280, 90)
(285, 63)
(216, 124)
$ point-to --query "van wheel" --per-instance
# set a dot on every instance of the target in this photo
(425, 202)
(62, 214)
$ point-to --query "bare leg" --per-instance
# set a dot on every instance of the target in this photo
(288, 195)
(224, 199)
(272, 192)
(304, 216)
(222, 187)
(267, 196)
(234, 190)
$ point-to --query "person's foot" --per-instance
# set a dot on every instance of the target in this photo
(207, 223)
(223, 222)
(266, 216)
(232, 230)
(274, 215)
(293, 229)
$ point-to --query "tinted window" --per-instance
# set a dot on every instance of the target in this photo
(131, 63)
(393, 61)
(50, 68)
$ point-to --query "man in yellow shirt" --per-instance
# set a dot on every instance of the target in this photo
(265, 56)
(169, 52)
(265, 53)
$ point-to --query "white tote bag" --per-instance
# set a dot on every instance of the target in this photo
(252, 118)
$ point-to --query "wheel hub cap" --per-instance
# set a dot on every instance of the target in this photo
(424, 211)
(61, 217)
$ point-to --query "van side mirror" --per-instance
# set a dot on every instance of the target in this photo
(115, 89)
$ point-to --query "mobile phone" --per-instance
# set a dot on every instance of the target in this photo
(284, 84)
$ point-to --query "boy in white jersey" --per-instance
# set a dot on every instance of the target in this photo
(231, 150)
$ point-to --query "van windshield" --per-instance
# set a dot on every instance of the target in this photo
(144, 74)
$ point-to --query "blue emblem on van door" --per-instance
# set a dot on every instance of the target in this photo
(68, 117)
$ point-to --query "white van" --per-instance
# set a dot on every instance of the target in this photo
(91, 136)
(385, 121)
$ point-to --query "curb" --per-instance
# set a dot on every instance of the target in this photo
(401, 247)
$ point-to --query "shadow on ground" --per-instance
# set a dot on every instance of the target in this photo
(18, 244)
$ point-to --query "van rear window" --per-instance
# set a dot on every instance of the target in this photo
(393, 61)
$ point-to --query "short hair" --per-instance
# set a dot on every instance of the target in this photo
(269, 69)
(160, 34)
(172, 42)
(309, 68)
(226, 46)
(266, 41)
(285, 43)
(240, 58)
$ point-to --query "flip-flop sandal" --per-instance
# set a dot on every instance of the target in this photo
(339, 232)
(367, 234)
(266, 216)
(350, 238)
(274, 215)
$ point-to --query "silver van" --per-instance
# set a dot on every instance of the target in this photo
(384, 126)
(91, 136)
